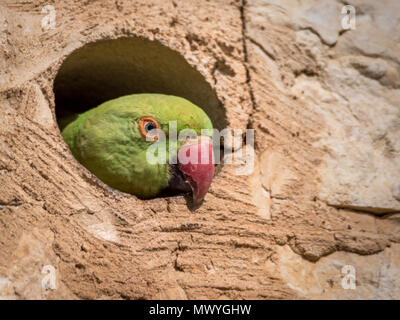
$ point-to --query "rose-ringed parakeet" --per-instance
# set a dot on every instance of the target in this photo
(112, 139)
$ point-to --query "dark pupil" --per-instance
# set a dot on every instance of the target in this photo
(149, 126)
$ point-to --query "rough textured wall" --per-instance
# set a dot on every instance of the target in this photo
(324, 104)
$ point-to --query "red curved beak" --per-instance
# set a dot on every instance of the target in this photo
(196, 162)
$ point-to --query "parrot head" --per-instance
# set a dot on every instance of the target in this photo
(115, 139)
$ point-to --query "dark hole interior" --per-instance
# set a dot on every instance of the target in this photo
(108, 69)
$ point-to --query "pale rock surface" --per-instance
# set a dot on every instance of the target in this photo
(324, 192)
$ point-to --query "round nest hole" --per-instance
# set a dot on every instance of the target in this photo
(109, 69)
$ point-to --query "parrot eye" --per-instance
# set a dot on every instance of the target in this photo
(148, 128)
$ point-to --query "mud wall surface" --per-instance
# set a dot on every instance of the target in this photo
(325, 190)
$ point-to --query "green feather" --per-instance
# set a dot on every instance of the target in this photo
(106, 139)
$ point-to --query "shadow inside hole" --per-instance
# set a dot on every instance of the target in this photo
(108, 69)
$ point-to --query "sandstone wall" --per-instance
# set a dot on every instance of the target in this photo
(324, 103)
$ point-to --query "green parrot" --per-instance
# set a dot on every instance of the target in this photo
(112, 140)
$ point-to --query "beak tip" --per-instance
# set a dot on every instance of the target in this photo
(197, 175)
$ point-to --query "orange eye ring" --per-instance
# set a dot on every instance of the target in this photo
(148, 128)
